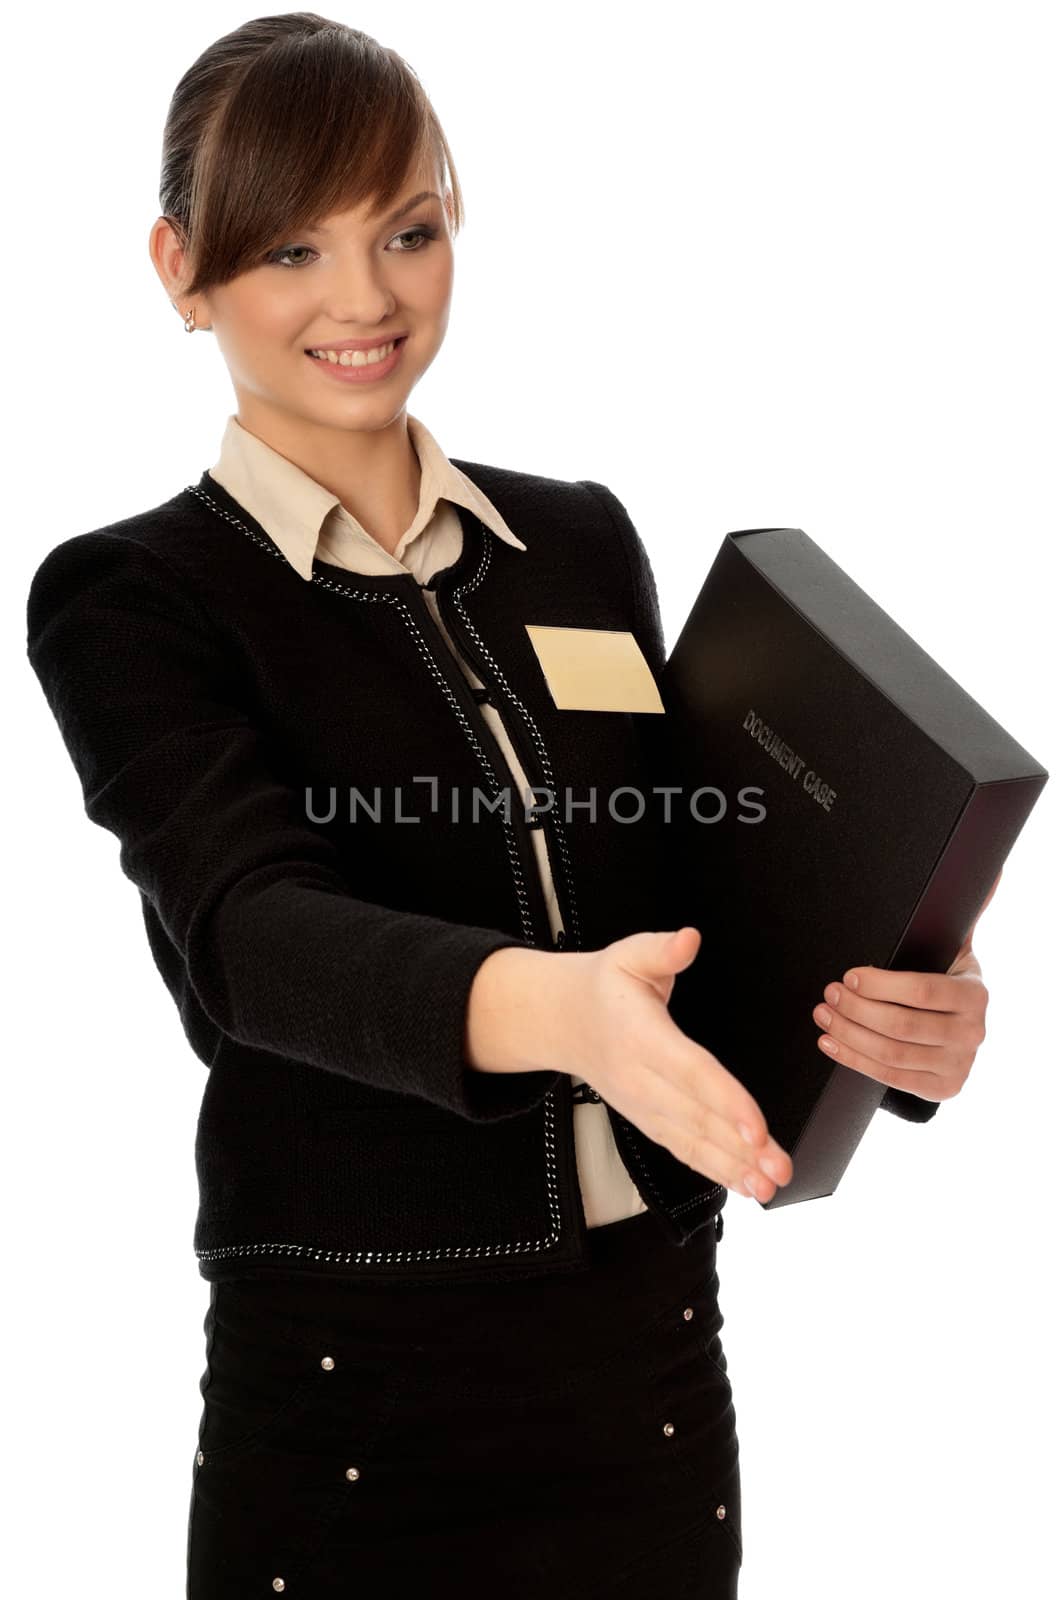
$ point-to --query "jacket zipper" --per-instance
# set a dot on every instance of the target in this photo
(529, 760)
(521, 829)
(540, 920)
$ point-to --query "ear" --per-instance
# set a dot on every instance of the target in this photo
(168, 258)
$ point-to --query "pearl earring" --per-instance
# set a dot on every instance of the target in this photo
(190, 320)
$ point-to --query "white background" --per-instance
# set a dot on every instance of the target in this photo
(754, 265)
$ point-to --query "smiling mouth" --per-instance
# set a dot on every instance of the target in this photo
(358, 358)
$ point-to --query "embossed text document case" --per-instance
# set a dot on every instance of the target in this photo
(856, 805)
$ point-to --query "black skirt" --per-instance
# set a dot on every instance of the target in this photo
(538, 1439)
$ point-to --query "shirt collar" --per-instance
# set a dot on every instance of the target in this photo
(292, 506)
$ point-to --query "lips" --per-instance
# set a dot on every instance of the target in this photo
(363, 373)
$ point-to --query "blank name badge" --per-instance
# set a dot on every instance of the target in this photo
(594, 669)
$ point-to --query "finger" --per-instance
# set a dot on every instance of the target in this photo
(926, 991)
(688, 1141)
(904, 1023)
(701, 1131)
(884, 1049)
(966, 964)
(700, 1076)
(925, 1082)
(686, 1068)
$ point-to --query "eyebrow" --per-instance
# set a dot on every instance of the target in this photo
(407, 205)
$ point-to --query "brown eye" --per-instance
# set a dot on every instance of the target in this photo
(276, 256)
(424, 234)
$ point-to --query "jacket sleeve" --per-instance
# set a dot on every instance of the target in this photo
(650, 637)
(912, 1107)
(280, 953)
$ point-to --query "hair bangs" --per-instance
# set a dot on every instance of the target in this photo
(312, 121)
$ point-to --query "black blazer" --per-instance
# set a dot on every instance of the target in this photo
(320, 958)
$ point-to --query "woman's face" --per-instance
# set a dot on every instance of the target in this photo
(353, 277)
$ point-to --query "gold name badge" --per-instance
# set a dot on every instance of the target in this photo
(594, 669)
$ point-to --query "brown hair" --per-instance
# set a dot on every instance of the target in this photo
(280, 123)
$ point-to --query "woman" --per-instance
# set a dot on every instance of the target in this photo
(451, 1138)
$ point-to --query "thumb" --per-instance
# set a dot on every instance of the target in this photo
(684, 946)
(666, 953)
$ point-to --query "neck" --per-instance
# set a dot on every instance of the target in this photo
(374, 473)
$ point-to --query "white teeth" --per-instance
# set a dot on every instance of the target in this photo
(355, 358)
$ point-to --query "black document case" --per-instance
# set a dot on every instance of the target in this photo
(890, 801)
